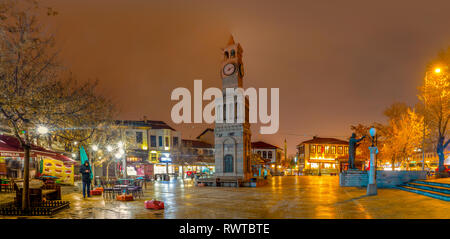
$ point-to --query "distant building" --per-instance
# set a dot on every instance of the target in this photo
(322, 155)
(149, 142)
(270, 152)
(196, 156)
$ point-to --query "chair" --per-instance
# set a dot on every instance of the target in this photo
(108, 188)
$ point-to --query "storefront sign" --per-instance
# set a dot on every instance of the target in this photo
(166, 160)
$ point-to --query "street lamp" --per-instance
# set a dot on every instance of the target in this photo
(42, 129)
(95, 147)
(109, 148)
(372, 185)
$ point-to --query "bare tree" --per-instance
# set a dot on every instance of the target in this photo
(34, 89)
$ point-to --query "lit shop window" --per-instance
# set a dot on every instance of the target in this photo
(314, 165)
(313, 149)
(340, 150)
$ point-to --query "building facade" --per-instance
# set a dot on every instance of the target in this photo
(150, 147)
(321, 155)
(273, 154)
(196, 157)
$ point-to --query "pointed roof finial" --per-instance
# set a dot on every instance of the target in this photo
(231, 41)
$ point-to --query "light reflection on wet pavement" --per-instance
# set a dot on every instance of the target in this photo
(283, 197)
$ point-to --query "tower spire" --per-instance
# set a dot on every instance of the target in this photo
(231, 41)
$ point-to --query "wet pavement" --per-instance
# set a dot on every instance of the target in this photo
(284, 197)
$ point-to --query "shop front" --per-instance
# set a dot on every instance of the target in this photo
(42, 161)
(204, 169)
(322, 167)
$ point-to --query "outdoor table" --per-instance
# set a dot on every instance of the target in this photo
(122, 187)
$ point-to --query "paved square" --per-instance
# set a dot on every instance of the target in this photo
(305, 197)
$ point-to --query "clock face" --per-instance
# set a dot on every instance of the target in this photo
(229, 69)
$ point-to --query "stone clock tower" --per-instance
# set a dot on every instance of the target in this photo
(232, 137)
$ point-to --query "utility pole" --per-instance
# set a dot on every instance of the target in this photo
(285, 151)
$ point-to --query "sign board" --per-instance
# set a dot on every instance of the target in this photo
(53, 167)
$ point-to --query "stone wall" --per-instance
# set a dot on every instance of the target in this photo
(385, 179)
(353, 178)
(388, 179)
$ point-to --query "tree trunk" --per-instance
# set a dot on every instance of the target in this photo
(393, 163)
(26, 178)
(107, 171)
(440, 152)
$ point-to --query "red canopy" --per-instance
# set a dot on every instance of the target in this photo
(10, 146)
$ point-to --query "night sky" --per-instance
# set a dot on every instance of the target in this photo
(336, 63)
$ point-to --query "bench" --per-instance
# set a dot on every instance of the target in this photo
(38, 192)
(220, 181)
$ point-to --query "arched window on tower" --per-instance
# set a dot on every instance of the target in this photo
(233, 53)
(226, 55)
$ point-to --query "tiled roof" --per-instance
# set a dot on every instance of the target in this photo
(263, 145)
(318, 140)
(154, 124)
(204, 132)
(195, 143)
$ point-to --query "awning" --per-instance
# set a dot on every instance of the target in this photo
(10, 147)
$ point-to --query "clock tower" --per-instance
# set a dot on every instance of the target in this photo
(232, 136)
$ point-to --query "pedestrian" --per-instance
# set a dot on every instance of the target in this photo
(85, 171)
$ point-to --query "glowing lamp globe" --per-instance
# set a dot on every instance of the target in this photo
(42, 130)
(372, 132)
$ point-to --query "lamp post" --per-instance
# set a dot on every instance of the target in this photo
(437, 70)
(372, 184)
(124, 162)
(94, 151)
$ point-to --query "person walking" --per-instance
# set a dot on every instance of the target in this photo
(85, 171)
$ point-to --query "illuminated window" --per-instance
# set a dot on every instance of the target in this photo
(320, 149)
(313, 149)
(327, 149)
(333, 149)
(340, 150)
(314, 165)
(167, 141)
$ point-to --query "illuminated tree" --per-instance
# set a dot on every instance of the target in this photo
(435, 96)
(403, 135)
(34, 90)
